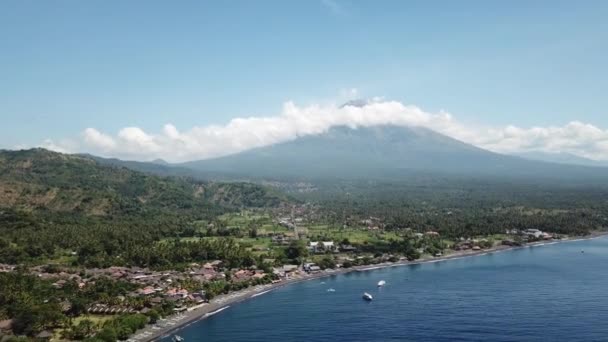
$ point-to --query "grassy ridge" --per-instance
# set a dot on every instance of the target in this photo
(38, 179)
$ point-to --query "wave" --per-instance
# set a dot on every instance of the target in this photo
(259, 294)
(216, 311)
(370, 268)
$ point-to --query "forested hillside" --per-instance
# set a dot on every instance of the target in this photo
(42, 180)
(54, 205)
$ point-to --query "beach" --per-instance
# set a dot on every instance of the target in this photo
(175, 322)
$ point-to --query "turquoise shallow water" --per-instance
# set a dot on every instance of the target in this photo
(544, 293)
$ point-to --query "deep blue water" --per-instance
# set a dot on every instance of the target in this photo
(545, 293)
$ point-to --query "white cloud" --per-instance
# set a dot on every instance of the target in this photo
(240, 134)
(51, 145)
(98, 140)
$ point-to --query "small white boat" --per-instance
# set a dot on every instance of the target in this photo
(331, 290)
(367, 296)
(177, 338)
(381, 283)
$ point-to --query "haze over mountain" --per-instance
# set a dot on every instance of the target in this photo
(382, 152)
(562, 158)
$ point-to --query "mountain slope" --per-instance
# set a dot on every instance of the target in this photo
(383, 152)
(562, 158)
(38, 179)
(153, 167)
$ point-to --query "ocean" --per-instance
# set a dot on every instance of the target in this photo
(544, 293)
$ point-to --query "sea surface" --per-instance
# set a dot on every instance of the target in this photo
(544, 293)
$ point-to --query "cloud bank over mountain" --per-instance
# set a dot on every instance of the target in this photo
(239, 134)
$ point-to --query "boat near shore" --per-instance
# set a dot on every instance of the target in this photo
(381, 283)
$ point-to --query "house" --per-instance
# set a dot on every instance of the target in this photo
(176, 294)
(6, 268)
(307, 266)
(44, 335)
(311, 267)
(156, 300)
(6, 325)
(217, 263)
(314, 269)
(65, 306)
(348, 248)
(320, 247)
(285, 270)
(197, 298)
(287, 224)
(431, 233)
(533, 232)
(59, 284)
(242, 275)
(259, 275)
(462, 245)
(280, 239)
(118, 274)
(146, 291)
(329, 245)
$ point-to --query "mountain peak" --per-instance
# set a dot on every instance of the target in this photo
(355, 103)
(387, 152)
(159, 161)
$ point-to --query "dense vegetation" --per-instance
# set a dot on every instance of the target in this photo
(464, 207)
(54, 205)
(36, 305)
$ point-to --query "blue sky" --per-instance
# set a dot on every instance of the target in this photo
(66, 66)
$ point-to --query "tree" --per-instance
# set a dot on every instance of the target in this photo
(153, 315)
(81, 331)
(297, 250)
(327, 262)
(410, 251)
(107, 334)
(78, 306)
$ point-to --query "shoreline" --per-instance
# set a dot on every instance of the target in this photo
(179, 321)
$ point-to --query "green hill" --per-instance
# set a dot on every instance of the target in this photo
(38, 179)
(71, 209)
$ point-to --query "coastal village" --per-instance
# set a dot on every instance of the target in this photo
(177, 292)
